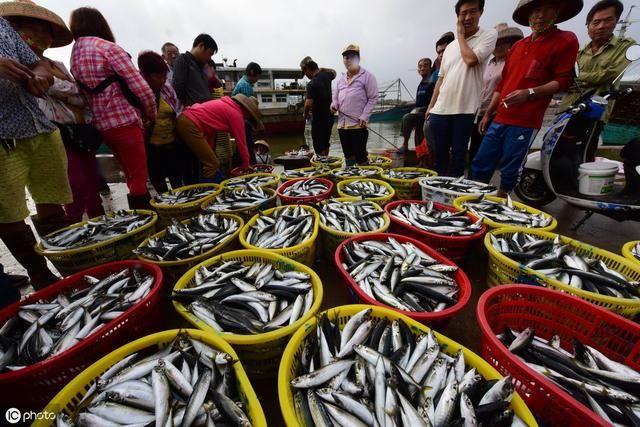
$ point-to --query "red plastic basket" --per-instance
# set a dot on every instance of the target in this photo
(287, 200)
(551, 312)
(258, 168)
(32, 387)
(453, 247)
(437, 319)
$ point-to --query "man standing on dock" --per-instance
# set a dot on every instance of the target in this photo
(318, 104)
(415, 118)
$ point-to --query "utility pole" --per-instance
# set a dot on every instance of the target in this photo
(626, 23)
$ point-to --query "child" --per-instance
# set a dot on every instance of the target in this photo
(262, 152)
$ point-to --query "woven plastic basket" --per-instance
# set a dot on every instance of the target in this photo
(315, 172)
(380, 161)
(310, 200)
(272, 184)
(289, 366)
(380, 201)
(407, 189)
(118, 248)
(248, 213)
(503, 270)
(184, 210)
(69, 397)
(444, 196)
(332, 164)
(257, 168)
(260, 354)
(377, 173)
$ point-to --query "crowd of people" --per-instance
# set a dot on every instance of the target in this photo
(160, 119)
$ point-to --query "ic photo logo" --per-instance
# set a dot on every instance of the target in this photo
(14, 416)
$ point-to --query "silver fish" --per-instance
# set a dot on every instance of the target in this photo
(305, 188)
(505, 212)
(283, 228)
(303, 172)
(355, 172)
(356, 216)
(459, 185)
(242, 198)
(250, 181)
(365, 189)
(180, 196)
(427, 217)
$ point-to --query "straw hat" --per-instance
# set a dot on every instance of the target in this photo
(351, 48)
(250, 103)
(570, 8)
(263, 143)
(507, 32)
(28, 9)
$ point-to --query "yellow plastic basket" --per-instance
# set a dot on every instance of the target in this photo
(336, 178)
(380, 161)
(331, 238)
(304, 253)
(626, 252)
(247, 213)
(503, 270)
(173, 270)
(380, 201)
(118, 248)
(273, 183)
(321, 172)
(260, 353)
(459, 201)
(69, 397)
(407, 189)
(184, 210)
(291, 358)
(332, 165)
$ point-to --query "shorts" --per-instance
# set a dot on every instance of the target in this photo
(38, 163)
(354, 144)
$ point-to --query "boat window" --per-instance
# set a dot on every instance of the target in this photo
(281, 97)
(266, 98)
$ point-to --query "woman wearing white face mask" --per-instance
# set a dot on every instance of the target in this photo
(354, 98)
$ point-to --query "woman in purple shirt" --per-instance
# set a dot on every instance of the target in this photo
(354, 98)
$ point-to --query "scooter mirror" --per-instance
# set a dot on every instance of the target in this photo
(633, 53)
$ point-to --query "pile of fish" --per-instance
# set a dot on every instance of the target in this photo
(366, 189)
(283, 228)
(374, 372)
(305, 188)
(247, 298)
(506, 213)
(358, 216)
(404, 174)
(249, 181)
(378, 160)
(327, 160)
(98, 230)
(245, 198)
(203, 233)
(561, 262)
(459, 185)
(303, 173)
(635, 251)
(400, 275)
(426, 217)
(44, 329)
(178, 197)
(187, 383)
(609, 388)
(258, 168)
(354, 172)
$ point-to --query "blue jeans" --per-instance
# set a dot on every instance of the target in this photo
(451, 134)
(507, 143)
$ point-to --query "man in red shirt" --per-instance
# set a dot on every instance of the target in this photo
(537, 67)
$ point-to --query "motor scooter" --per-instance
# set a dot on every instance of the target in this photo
(553, 172)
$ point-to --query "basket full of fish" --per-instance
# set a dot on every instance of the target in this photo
(244, 202)
(172, 378)
(575, 364)
(448, 230)
(343, 218)
(404, 275)
(305, 191)
(332, 162)
(257, 168)
(289, 230)
(262, 180)
(444, 190)
(520, 255)
(254, 300)
(353, 172)
(381, 161)
(99, 240)
(47, 338)
(184, 202)
(184, 244)
(405, 181)
(362, 365)
(631, 251)
(375, 190)
(308, 172)
(498, 212)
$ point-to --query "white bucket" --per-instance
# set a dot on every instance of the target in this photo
(596, 178)
(396, 157)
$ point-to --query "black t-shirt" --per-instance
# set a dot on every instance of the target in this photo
(319, 89)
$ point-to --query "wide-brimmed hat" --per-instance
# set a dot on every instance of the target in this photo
(507, 32)
(26, 8)
(305, 61)
(352, 47)
(250, 103)
(263, 143)
(570, 8)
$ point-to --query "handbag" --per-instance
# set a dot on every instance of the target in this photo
(82, 138)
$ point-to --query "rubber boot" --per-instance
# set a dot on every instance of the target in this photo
(21, 244)
(349, 162)
(49, 224)
(139, 202)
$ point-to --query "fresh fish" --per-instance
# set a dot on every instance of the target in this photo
(326, 160)
(405, 174)
(258, 168)
(283, 228)
(366, 189)
(203, 233)
(244, 198)
(635, 251)
(249, 181)
(378, 160)
(459, 185)
(355, 172)
(98, 230)
(357, 216)
(305, 188)
(504, 212)
(304, 172)
(427, 217)
(180, 196)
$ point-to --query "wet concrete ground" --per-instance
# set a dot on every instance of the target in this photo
(598, 231)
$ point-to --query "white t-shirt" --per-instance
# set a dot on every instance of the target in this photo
(462, 85)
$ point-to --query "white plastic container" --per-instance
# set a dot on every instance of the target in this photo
(596, 178)
(444, 196)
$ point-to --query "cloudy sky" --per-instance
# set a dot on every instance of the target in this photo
(392, 34)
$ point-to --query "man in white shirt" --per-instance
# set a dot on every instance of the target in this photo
(456, 96)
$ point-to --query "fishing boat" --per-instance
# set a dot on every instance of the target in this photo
(280, 97)
(391, 109)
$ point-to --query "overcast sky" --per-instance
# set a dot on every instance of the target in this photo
(392, 34)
